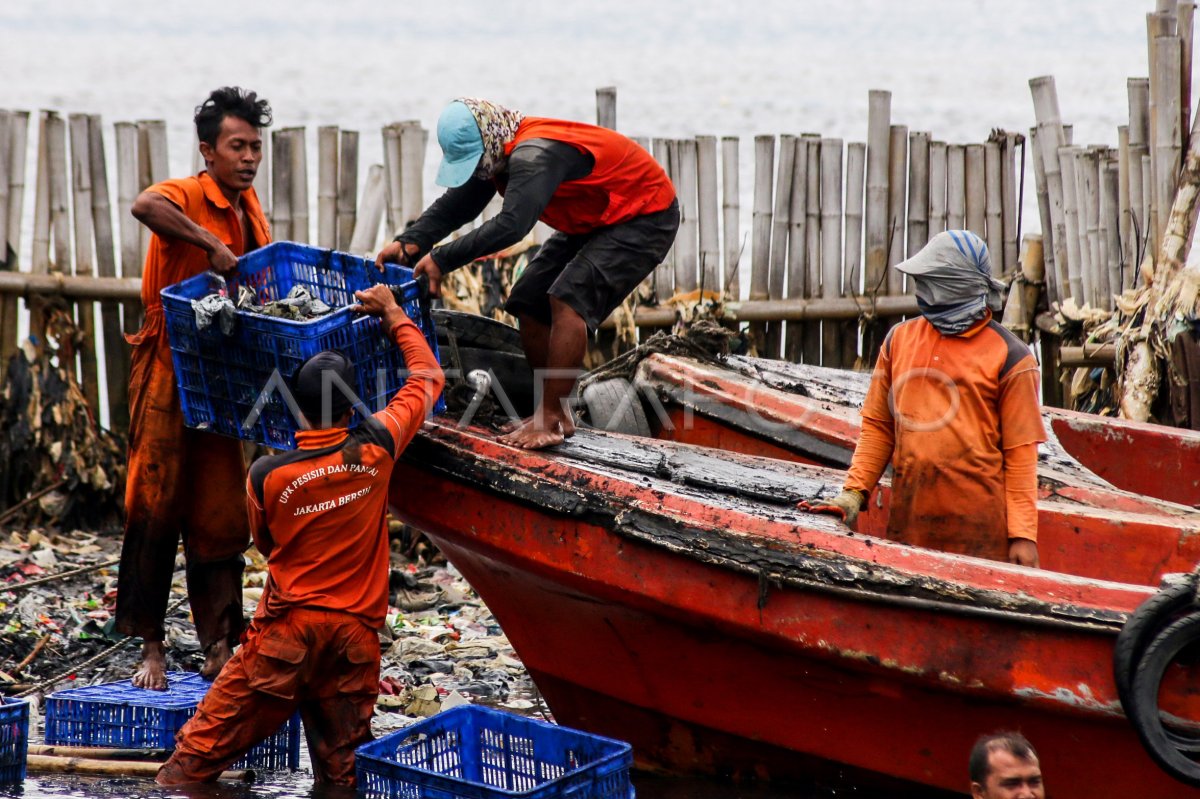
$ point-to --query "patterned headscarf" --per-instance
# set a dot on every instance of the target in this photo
(498, 126)
(954, 283)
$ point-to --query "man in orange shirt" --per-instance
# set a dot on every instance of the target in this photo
(953, 406)
(318, 514)
(614, 209)
(180, 480)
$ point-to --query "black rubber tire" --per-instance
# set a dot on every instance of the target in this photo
(510, 374)
(471, 330)
(1146, 682)
(614, 405)
(1150, 617)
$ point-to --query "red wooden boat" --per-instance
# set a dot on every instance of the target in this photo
(808, 413)
(673, 596)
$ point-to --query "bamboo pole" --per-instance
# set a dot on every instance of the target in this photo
(281, 186)
(976, 178)
(1147, 203)
(831, 243)
(8, 260)
(687, 240)
(262, 178)
(370, 213)
(918, 193)
(393, 189)
(28, 285)
(85, 262)
(780, 228)
(1124, 211)
(1071, 233)
(116, 352)
(757, 312)
(897, 200)
(152, 166)
(664, 273)
(347, 191)
(131, 235)
(6, 123)
(298, 150)
(1010, 212)
(113, 768)
(606, 107)
(707, 200)
(413, 142)
(731, 208)
(811, 349)
(60, 215)
(994, 206)
(879, 111)
(1168, 150)
(760, 248)
(327, 186)
(1185, 14)
(856, 167)
(1110, 224)
(937, 187)
(1053, 283)
(1087, 184)
(40, 263)
(956, 187)
(797, 244)
(98, 752)
(1051, 135)
(1139, 137)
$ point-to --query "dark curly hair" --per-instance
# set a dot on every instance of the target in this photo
(229, 101)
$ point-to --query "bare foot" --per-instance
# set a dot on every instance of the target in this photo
(540, 431)
(513, 425)
(217, 655)
(152, 673)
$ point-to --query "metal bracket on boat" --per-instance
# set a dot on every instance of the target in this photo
(481, 382)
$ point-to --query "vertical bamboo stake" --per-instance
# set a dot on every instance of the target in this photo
(760, 248)
(811, 342)
(413, 141)
(897, 199)
(686, 241)
(393, 189)
(152, 165)
(731, 222)
(937, 187)
(1147, 195)
(780, 228)
(1097, 229)
(797, 244)
(8, 306)
(1168, 150)
(1185, 13)
(327, 186)
(262, 178)
(1087, 183)
(664, 273)
(1124, 211)
(1051, 135)
(370, 213)
(347, 192)
(40, 263)
(299, 152)
(1139, 138)
(956, 187)
(131, 230)
(856, 167)
(1074, 285)
(994, 206)
(1110, 209)
(281, 186)
(1008, 196)
(1043, 198)
(60, 215)
(17, 146)
(831, 242)
(710, 239)
(976, 191)
(116, 355)
(606, 107)
(918, 193)
(879, 113)
(85, 264)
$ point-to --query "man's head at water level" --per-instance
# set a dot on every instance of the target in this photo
(229, 126)
(1005, 766)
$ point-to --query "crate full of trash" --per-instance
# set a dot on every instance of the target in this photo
(14, 739)
(121, 716)
(235, 343)
(472, 752)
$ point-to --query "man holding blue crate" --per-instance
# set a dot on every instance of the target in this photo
(180, 481)
(318, 513)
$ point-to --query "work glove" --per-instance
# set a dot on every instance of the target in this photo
(846, 504)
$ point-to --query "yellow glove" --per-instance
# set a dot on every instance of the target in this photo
(846, 504)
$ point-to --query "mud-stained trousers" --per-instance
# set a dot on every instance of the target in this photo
(324, 663)
(181, 482)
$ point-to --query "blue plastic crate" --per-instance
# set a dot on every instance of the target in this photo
(118, 715)
(220, 378)
(14, 739)
(471, 752)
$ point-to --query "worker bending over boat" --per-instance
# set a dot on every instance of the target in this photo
(953, 406)
(179, 480)
(318, 515)
(1004, 766)
(614, 211)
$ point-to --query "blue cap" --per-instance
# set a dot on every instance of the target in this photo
(462, 145)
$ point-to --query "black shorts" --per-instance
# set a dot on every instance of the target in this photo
(594, 272)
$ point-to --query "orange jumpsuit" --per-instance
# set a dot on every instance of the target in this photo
(318, 514)
(180, 481)
(959, 419)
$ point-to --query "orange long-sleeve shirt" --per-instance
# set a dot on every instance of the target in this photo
(318, 513)
(958, 418)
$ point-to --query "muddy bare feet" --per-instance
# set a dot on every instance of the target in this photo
(513, 425)
(152, 673)
(540, 431)
(217, 655)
